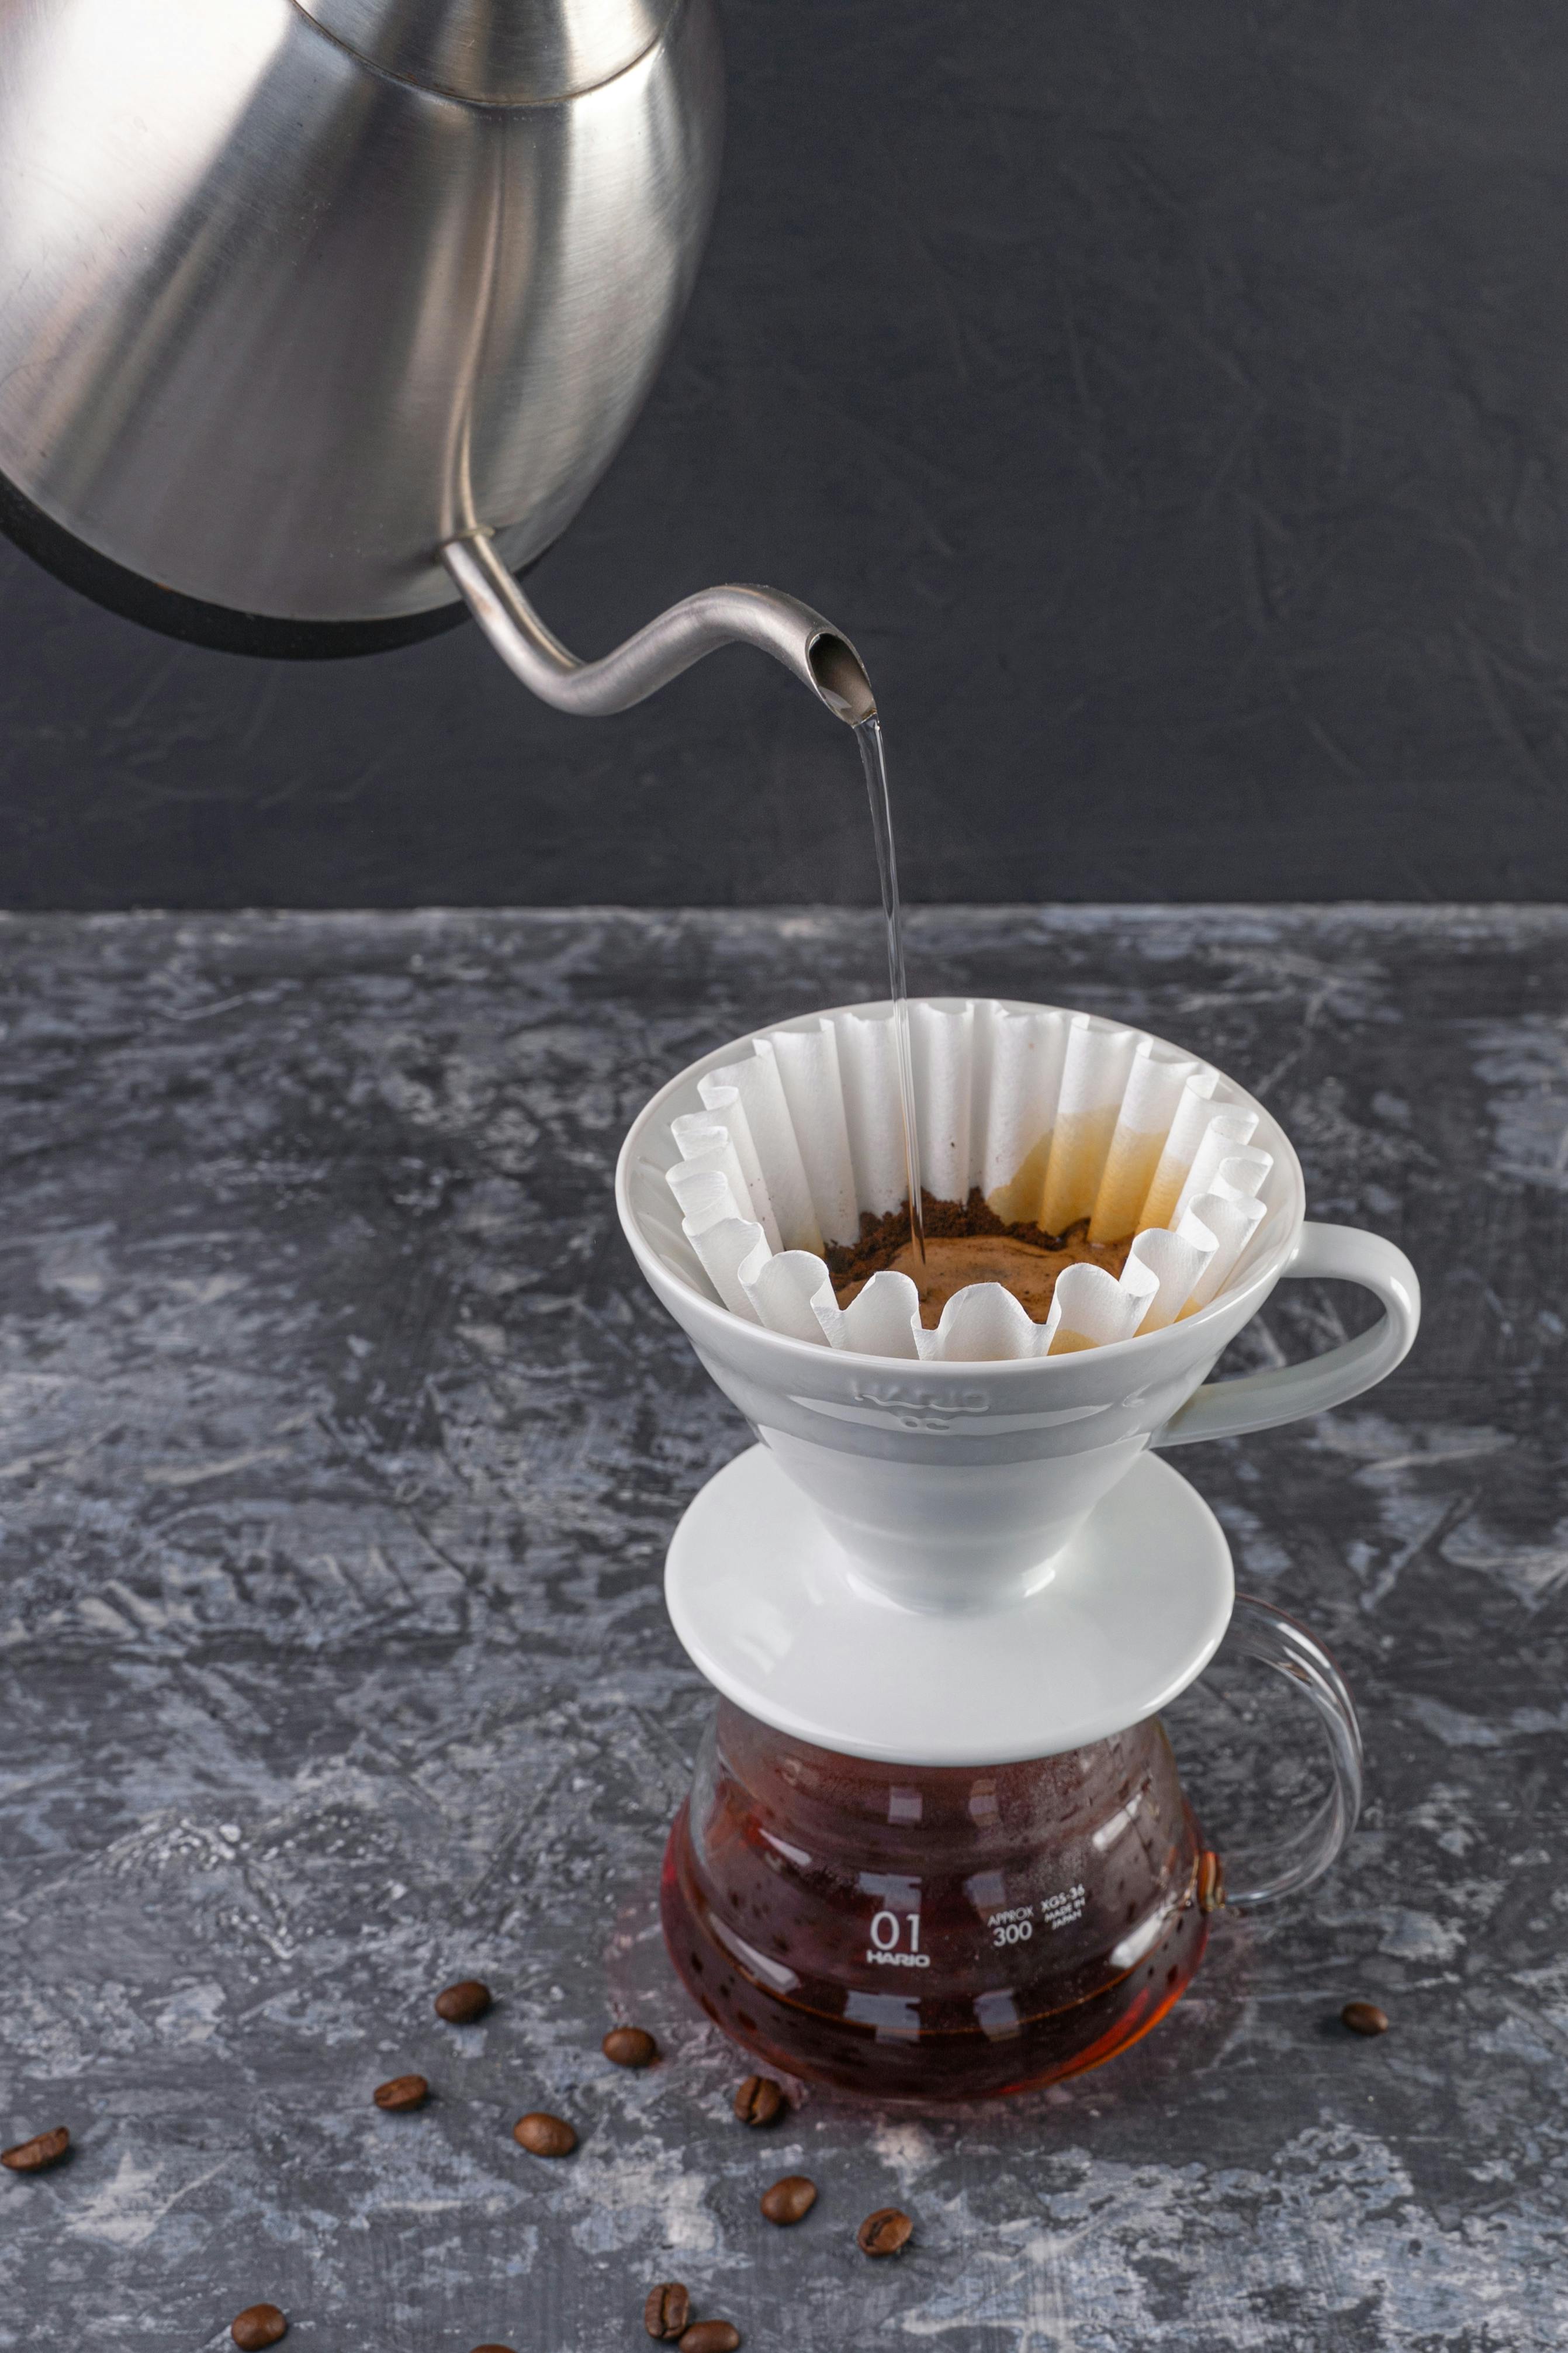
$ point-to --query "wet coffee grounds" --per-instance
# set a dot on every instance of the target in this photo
(967, 1242)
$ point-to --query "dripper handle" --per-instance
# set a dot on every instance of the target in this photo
(1263, 1400)
(1251, 1877)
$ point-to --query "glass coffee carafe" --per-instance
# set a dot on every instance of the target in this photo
(947, 1932)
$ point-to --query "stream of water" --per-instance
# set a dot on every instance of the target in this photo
(874, 759)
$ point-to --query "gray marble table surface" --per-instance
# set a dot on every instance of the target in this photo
(339, 1449)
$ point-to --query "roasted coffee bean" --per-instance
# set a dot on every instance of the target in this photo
(789, 2200)
(492, 2349)
(759, 2100)
(462, 2004)
(667, 2315)
(710, 2337)
(258, 2324)
(630, 2046)
(1365, 2018)
(544, 2136)
(36, 2154)
(402, 2092)
(885, 2232)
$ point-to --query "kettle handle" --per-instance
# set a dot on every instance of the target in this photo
(1291, 1392)
(1262, 1875)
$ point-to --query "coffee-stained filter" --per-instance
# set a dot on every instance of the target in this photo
(1056, 1117)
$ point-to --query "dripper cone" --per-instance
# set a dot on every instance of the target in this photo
(948, 1469)
(1011, 1498)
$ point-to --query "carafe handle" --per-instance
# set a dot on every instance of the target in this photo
(1263, 1400)
(1261, 1876)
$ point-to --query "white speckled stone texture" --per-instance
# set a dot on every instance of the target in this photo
(339, 1447)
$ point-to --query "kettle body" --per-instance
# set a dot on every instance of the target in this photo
(294, 292)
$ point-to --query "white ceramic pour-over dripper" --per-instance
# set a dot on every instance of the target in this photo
(968, 1563)
(954, 1487)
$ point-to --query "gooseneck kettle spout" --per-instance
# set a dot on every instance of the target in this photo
(809, 647)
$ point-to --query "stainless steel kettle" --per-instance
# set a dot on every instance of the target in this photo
(320, 318)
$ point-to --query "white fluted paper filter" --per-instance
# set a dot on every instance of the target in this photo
(1056, 1117)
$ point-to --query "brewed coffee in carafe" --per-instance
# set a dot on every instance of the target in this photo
(934, 1933)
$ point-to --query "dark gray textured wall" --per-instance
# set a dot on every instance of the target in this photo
(1169, 401)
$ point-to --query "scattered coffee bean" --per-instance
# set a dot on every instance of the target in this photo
(789, 2200)
(492, 2349)
(710, 2337)
(258, 2324)
(885, 2232)
(630, 2046)
(402, 2092)
(667, 2315)
(462, 2004)
(544, 2136)
(1365, 2018)
(36, 2154)
(759, 2100)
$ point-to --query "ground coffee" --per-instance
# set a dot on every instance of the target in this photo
(967, 1242)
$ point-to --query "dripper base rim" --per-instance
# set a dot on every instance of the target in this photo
(765, 1605)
